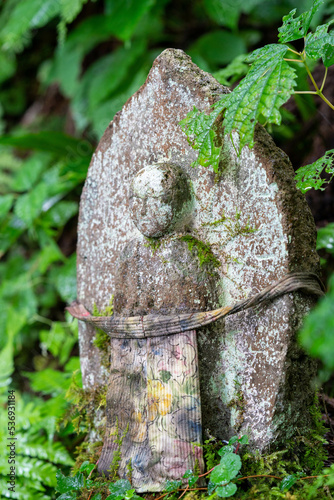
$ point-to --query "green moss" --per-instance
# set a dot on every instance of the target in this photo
(233, 226)
(203, 250)
(107, 311)
(153, 243)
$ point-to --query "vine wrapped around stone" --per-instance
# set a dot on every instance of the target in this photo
(156, 326)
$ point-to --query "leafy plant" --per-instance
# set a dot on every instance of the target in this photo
(268, 84)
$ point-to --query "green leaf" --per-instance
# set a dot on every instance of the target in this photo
(64, 279)
(29, 206)
(233, 440)
(7, 66)
(60, 213)
(325, 238)
(7, 363)
(200, 130)
(69, 9)
(126, 15)
(227, 490)
(24, 17)
(119, 489)
(87, 467)
(53, 142)
(316, 335)
(6, 202)
(288, 482)
(295, 28)
(108, 72)
(243, 439)
(30, 172)
(266, 87)
(165, 376)
(59, 340)
(218, 47)
(65, 484)
(233, 72)
(225, 449)
(227, 469)
(173, 485)
(227, 12)
(309, 176)
(321, 45)
(68, 496)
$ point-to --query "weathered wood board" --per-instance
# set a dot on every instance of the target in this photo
(253, 377)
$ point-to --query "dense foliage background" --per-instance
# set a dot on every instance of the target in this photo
(66, 67)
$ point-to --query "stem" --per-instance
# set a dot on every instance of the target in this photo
(293, 60)
(326, 100)
(311, 77)
(295, 52)
(323, 81)
(306, 92)
(185, 491)
(206, 473)
(314, 477)
(258, 475)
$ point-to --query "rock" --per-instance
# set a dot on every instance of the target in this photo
(165, 238)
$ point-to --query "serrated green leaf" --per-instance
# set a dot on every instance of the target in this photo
(309, 176)
(227, 490)
(321, 45)
(233, 72)
(227, 469)
(295, 28)
(325, 238)
(65, 484)
(266, 87)
(287, 482)
(198, 127)
(69, 9)
(59, 340)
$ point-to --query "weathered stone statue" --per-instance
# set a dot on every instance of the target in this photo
(170, 243)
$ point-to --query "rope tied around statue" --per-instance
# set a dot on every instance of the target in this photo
(155, 326)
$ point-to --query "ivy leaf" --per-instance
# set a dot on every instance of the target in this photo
(295, 28)
(199, 128)
(119, 489)
(266, 87)
(227, 469)
(225, 449)
(227, 490)
(65, 484)
(288, 482)
(309, 176)
(173, 485)
(243, 439)
(325, 238)
(321, 44)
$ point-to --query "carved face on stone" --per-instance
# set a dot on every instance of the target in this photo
(160, 199)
